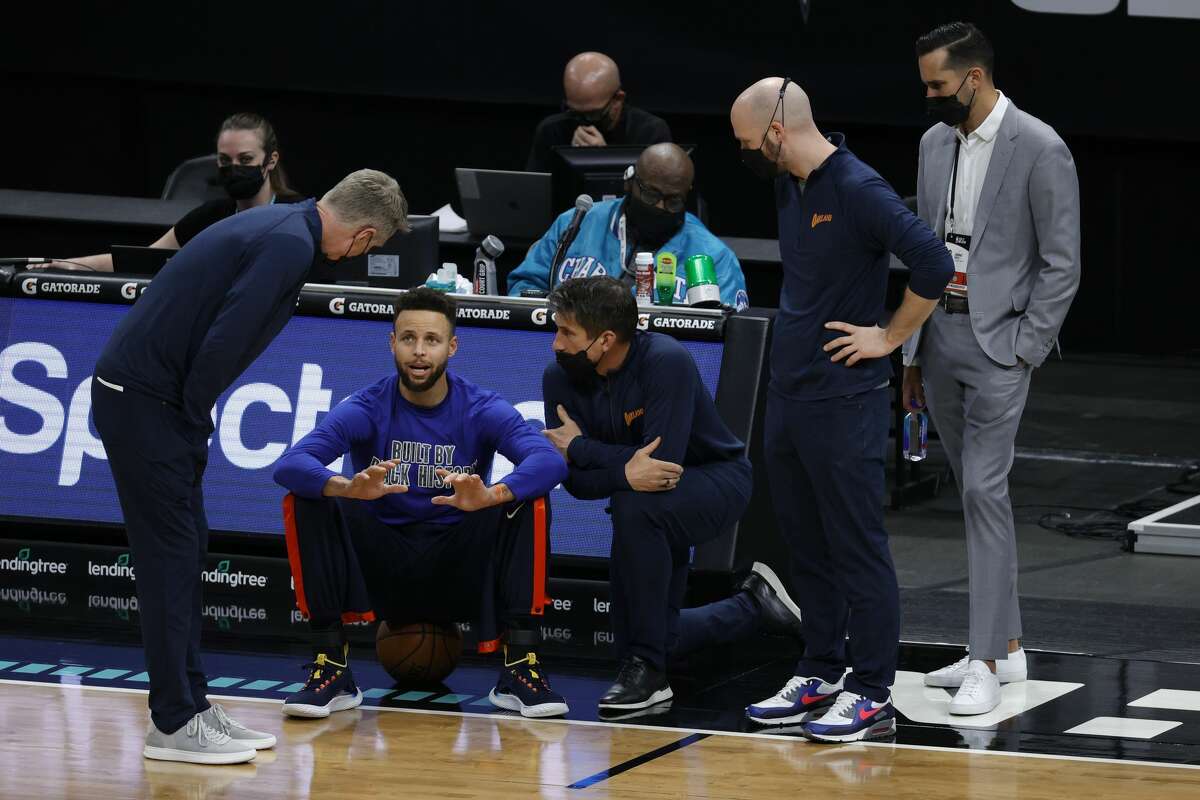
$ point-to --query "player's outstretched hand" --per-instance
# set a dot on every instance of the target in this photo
(470, 492)
(647, 474)
(371, 483)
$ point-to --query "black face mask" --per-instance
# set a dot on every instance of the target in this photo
(654, 226)
(580, 369)
(321, 258)
(241, 181)
(950, 109)
(755, 159)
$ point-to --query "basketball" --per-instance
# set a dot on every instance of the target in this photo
(419, 652)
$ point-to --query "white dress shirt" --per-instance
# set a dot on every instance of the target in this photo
(974, 155)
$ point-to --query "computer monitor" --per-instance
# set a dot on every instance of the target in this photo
(130, 260)
(403, 262)
(600, 172)
(506, 204)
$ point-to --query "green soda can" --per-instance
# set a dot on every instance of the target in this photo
(703, 290)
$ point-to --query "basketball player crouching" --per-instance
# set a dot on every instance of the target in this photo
(417, 535)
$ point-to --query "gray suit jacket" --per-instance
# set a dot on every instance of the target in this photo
(1024, 264)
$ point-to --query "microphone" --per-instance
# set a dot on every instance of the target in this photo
(583, 204)
(24, 262)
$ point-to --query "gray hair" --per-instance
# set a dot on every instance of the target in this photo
(370, 198)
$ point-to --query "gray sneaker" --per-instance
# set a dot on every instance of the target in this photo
(196, 743)
(219, 720)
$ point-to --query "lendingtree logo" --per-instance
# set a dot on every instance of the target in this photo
(225, 575)
(24, 562)
(121, 568)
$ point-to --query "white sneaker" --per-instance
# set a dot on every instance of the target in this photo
(217, 719)
(196, 743)
(1010, 670)
(979, 693)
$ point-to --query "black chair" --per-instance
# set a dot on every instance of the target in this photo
(192, 180)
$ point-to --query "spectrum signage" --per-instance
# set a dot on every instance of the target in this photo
(55, 465)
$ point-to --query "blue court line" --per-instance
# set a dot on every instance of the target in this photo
(224, 683)
(7, 664)
(452, 698)
(73, 671)
(372, 694)
(141, 677)
(34, 669)
(625, 766)
(412, 697)
(108, 674)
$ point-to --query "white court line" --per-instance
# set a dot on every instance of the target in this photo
(653, 728)
(1084, 457)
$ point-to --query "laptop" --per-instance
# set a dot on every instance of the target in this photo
(139, 260)
(506, 204)
(402, 262)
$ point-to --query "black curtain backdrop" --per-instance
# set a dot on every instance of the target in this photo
(109, 98)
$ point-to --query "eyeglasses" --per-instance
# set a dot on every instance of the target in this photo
(671, 202)
(591, 117)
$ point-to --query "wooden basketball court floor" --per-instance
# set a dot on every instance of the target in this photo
(72, 728)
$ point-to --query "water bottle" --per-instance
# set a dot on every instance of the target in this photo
(644, 273)
(916, 435)
(664, 278)
(485, 265)
(703, 289)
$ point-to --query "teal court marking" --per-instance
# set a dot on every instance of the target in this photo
(453, 698)
(72, 671)
(374, 694)
(141, 677)
(108, 674)
(259, 686)
(412, 697)
(7, 664)
(224, 683)
(34, 669)
(291, 688)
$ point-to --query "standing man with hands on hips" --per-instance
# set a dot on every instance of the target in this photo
(207, 316)
(827, 409)
(1000, 188)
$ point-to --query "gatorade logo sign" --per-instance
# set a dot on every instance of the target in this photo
(484, 313)
(539, 316)
(129, 291)
(684, 323)
(338, 305)
(29, 285)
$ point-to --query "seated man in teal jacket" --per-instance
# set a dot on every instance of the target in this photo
(650, 217)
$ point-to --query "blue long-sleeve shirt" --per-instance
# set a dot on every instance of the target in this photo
(214, 308)
(461, 434)
(597, 251)
(657, 391)
(835, 237)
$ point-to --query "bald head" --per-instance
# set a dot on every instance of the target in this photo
(757, 107)
(590, 80)
(667, 168)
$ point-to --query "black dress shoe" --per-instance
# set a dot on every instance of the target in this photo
(779, 614)
(639, 685)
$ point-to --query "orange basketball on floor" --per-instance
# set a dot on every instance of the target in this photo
(419, 652)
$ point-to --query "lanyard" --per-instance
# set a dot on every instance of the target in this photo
(626, 272)
(953, 183)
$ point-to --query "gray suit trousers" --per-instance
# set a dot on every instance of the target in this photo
(976, 404)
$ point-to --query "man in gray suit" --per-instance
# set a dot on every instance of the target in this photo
(999, 187)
